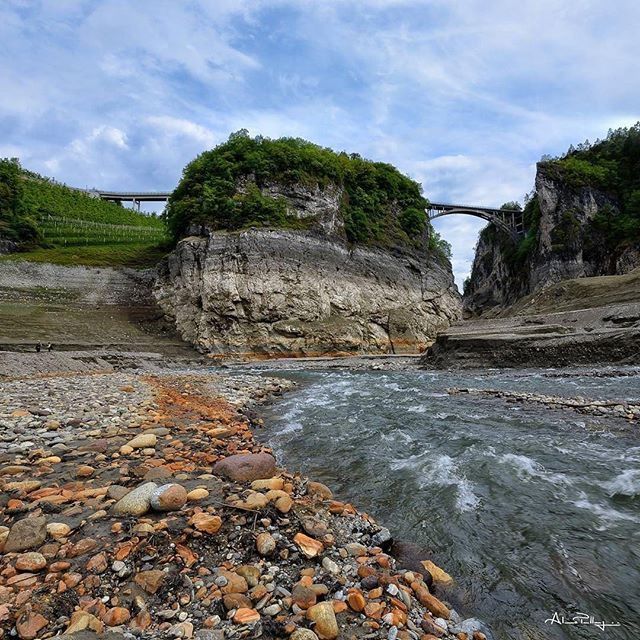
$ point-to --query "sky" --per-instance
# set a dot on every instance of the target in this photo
(464, 96)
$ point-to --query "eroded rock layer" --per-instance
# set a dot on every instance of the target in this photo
(303, 293)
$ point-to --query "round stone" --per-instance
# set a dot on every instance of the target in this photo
(31, 562)
(168, 497)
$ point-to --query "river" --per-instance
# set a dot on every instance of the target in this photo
(533, 511)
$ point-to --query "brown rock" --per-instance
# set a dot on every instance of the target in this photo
(28, 533)
(150, 581)
(438, 574)
(25, 486)
(309, 547)
(236, 601)
(319, 490)
(116, 616)
(356, 601)
(85, 471)
(250, 573)
(169, 497)
(268, 484)
(235, 583)
(81, 620)
(326, 625)
(143, 441)
(437, 608)
(80, 548)
(30, 625)
(303, 596)
(98, 564)
(266, 544)
(58, 530)
(206, 522)
(246, 467)
(197, 494)
(31, 561)
(246, 616)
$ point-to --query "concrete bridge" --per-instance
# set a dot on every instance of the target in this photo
(131, 196)
(510, 221)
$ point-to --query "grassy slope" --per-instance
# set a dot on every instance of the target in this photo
(136, 240)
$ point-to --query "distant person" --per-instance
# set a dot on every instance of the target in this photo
(38, 347)
(49, 347)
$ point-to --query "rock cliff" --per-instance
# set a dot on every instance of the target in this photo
(287, 292)
(564, 243)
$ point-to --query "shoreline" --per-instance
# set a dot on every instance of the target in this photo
(268, 552)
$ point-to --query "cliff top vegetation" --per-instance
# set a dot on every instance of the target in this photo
(611, 165)
(380, 205)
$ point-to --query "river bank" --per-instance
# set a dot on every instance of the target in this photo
(126, 509)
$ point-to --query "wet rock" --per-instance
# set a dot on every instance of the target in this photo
(28, 533)
(168, 497)
(319, 490)
(136, 502)
(326, 625)
(246, 467)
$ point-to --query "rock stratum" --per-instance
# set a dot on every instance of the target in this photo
(285, 292)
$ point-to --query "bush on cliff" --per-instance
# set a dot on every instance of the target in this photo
(380, 206)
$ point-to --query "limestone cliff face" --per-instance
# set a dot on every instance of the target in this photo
(299, 293)
(565, 246)
(293, 292)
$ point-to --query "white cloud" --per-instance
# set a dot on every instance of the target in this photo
(464, 95)
(170, 126)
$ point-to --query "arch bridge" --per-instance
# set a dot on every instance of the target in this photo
(510, 221)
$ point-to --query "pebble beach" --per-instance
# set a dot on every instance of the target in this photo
(139, 505)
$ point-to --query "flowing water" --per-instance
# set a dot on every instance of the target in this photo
(533, 511)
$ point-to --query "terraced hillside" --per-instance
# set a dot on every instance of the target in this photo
(50, 222)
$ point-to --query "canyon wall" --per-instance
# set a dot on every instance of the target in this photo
(564, 244)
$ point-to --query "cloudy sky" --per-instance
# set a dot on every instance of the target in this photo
(462, 95)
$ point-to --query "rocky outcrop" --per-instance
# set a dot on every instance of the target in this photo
(566, 246)
(7, 246)
(303, 293)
